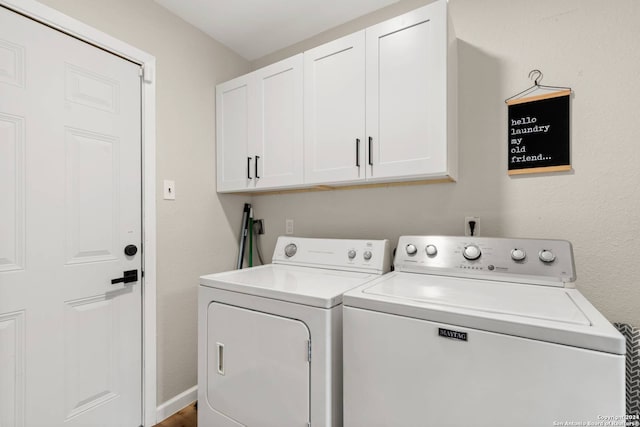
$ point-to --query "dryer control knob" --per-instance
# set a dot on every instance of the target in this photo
(518, 254)
(431, 250)
(546, 256)
(290, 250)
(351, 254)
(411, 249)
(471, 252)
(367, 255)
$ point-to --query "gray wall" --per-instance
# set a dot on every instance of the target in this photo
(589, 45)
(197, 232)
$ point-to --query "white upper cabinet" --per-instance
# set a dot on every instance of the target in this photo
(379, 105)
(232, 134)
(411, 106)
(334, 111)
(259, 135)
(277, 137)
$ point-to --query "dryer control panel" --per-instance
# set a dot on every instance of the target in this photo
(534, 261)
(371, 256)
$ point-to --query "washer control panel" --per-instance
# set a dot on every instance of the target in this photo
(534, 261)
(340, 254)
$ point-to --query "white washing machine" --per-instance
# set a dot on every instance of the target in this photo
(270, 337)
(479, 332)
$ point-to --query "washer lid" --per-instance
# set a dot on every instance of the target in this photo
(558, 315)
(316, 287)
(536, 302)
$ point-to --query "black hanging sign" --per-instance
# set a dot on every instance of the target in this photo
(538, 133)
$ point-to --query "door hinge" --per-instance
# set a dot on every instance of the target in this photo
(146, 72)
(309, 350)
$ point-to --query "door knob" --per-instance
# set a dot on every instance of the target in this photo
(130, 250)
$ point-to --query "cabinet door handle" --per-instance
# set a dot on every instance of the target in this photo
(370, 151)
(249, 167)
(256, 169)
(358, 152)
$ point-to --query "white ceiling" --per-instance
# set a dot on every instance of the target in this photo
(255, 28)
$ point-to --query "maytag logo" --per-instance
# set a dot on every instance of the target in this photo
(454, 335)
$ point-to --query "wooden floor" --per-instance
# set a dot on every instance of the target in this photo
(186, 417)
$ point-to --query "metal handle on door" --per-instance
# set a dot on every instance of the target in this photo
(249, 167)
(220, 353)
(128, 277)
(256, 170)
(358, 152)
(370, 151)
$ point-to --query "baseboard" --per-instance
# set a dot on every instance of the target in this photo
(173, 405)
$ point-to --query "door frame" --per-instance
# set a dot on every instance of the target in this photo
(74, 28)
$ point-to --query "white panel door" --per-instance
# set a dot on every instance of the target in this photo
(235, 165)
(257, 367)
(334, 109)
(399, 372)
(70, 162)
(277, 132)
(407, 94)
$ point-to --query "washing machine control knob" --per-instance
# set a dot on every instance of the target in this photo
(546, 256)
(518, 254)
(431, 250)
(351, 254)
(290, 250)
(471, 252)
(411, 249)
(367, 255)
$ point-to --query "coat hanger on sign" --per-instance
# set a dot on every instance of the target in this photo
(536, 76)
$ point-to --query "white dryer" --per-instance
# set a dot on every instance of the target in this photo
(479, 332)
(270, 337)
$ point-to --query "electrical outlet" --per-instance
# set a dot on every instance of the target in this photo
(169, 189)
(472, 223)
(288, 226)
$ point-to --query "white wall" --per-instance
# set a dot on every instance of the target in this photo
(590, 45)
(197, 232)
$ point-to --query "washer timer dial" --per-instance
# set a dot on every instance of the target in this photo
(411, 249)
(471, 252)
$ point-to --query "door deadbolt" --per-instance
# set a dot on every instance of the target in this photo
(130, 250)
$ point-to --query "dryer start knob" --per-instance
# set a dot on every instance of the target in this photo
(351, 254)
(546, 256)
(471, 252)
(367, 255)
(290, 250)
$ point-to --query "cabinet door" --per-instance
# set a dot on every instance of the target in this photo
(407, 95)
(258, 371)
(278, 137)
(232, 134)
(334, 105)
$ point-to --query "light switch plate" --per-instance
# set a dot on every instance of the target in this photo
(169, 189)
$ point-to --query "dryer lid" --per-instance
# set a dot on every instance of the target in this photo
(316, 287)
